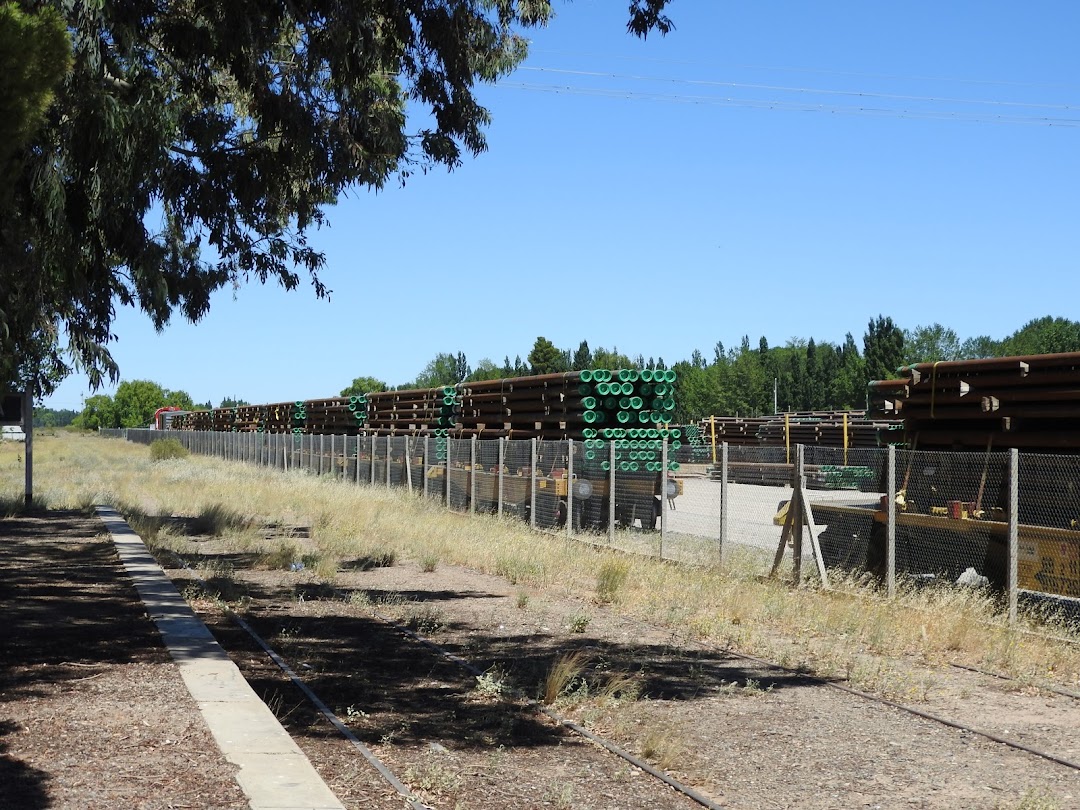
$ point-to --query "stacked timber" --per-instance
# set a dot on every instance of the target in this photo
(1028, 402)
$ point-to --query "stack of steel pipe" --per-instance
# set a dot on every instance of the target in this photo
(277, 417)
(412, 411)
(821, 428)
(338, 415)
(825, 429)
(735, 430)
(1029, 402)
(633, 408)
(224, 419)
(630, 406)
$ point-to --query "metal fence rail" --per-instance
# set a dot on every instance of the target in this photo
(1008, 520)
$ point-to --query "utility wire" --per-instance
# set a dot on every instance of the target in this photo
(792, 106)
(800, 90)
(795, 69)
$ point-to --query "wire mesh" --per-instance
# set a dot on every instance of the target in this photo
(759, 496)
(378, 461)
(693, 516)
(517, 478)
(551, 485)
(362, 467)
(1048, 548)
(459, 474)
(952, 525)
(413, 455)
(486, 482)
(433, 454)
(397, 448)
(844, 489)
(590, 486)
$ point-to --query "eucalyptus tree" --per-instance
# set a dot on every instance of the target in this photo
(193, 146)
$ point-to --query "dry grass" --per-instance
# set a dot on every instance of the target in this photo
(359, 526)
(565, 676)
(610, 579)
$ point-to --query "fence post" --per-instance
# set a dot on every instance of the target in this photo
(532, 487)
(322, 452)
(502, 462)
(569, 488)
(611, 493)
(663, 495)
(424, 463)
(448, 455)
(890, 523)
(1014, 528)
(389, 448)
(472, 475)
(723, 502)
(800, 519)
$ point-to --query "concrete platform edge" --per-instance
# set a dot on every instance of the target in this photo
(272, 770)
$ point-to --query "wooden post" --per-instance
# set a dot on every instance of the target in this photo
(408, 465)
(800, 518)
(712, 423)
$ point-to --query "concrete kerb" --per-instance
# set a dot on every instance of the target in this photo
(272, 770)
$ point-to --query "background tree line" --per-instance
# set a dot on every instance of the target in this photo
(754, 379)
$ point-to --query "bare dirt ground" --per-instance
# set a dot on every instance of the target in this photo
(744, 735)
(93, 713)
(95, 716)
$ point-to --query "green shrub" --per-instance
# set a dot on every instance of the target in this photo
(162, 449)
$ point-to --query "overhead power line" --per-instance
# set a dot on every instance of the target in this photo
(793, 106)
(817, 71)
(800, 90)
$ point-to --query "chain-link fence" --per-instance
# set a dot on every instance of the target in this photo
(1002, 519)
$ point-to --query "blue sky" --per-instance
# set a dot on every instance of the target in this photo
(783, 169)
